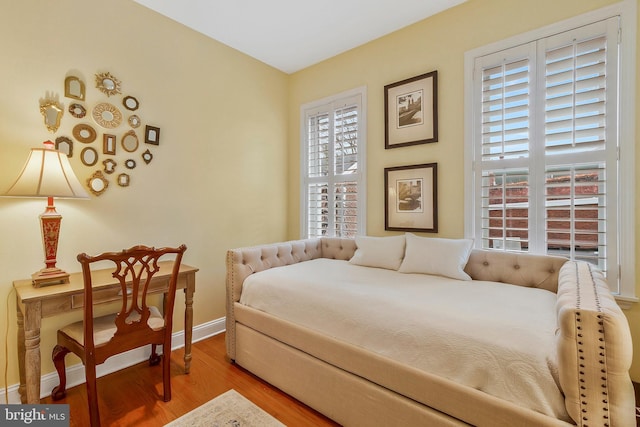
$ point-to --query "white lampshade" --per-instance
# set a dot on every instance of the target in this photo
(47, 173)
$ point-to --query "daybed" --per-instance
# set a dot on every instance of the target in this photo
(368, 341)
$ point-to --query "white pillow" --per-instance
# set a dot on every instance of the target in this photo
(441, 257)
(381, 252)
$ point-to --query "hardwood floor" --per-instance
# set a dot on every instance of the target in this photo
(133, 396)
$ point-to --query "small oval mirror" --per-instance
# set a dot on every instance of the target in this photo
(130, 163)
(84, 133)
(130, 103)
(147, 156)
(89, 156)
(130, 141)
(77, 111)
(134, 121)
(97, 183)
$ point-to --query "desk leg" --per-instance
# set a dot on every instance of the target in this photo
(31, 364)
(188, 321)
(21, 354)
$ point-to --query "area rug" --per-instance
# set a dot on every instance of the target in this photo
(230, 409)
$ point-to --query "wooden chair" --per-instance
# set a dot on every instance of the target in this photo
(136, 325)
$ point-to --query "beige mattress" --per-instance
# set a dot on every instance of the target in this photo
(496, 338)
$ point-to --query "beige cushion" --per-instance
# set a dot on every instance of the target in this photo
(437, 256)
(104, 328)
(381, 252)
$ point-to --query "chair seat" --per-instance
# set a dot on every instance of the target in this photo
(104, 328)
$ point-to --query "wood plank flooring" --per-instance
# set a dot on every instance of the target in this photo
(133, 396)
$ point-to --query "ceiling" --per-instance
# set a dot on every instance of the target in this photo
(293, 34)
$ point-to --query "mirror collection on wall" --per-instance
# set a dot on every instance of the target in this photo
(117, 118)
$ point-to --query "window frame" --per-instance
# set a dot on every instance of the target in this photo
(626, 10)
(360, 177)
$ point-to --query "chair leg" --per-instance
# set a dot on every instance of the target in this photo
(58, 354)
(166, 374)
(154, 359)
(92, 393)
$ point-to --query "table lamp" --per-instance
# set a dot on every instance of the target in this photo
(47, 173)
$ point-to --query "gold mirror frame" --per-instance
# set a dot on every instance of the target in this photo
(130, 103)
(108, 144)
(52, 112)
(89, 156)
(84, 133)
(64, 145)
(74, 88)
(97, 183)
(107, 115)
(129, 141)
(123, 180)
(109, 166)
(108, 84)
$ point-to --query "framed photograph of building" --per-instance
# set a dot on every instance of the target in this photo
(411, 111)
(410, 198)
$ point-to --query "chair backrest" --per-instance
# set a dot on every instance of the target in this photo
(134, 269)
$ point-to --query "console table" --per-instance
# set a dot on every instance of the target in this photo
(34, 304)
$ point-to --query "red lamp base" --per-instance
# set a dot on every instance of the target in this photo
(50, 275)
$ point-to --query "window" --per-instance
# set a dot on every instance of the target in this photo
(333, 179)
(545, 148)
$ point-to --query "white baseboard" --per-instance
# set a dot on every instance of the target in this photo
(75, 373)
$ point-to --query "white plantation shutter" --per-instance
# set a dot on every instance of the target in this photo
(545, 146)
(332, 171)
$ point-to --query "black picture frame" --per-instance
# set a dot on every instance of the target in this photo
(411, 111)
(411, 198)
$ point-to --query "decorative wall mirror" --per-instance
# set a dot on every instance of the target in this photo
(107, 84)
(152, 135)
(109, 144)
(109, 165)
(123, 180)
(130, 141)
(84, 133)
(134, 121)
(74, 88)
(64, 145)
(52, 112)
(77, 110)
(89, 156)
(107, 115)
(130, 163)
(97, 183)
(130, 103)
(147, 156)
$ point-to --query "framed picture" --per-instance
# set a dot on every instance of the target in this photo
(410, 198)
(411, 111)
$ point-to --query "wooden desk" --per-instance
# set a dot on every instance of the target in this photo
(36, 303)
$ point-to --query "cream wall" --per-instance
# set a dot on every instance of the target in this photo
(217, 179)
(437, 43)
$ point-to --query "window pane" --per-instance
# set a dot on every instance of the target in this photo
(318, 208)
(575, 82)
(318, 140)
(576, 212)
(505, 209)
(505, 110)
(346, 209)
(346, 140)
